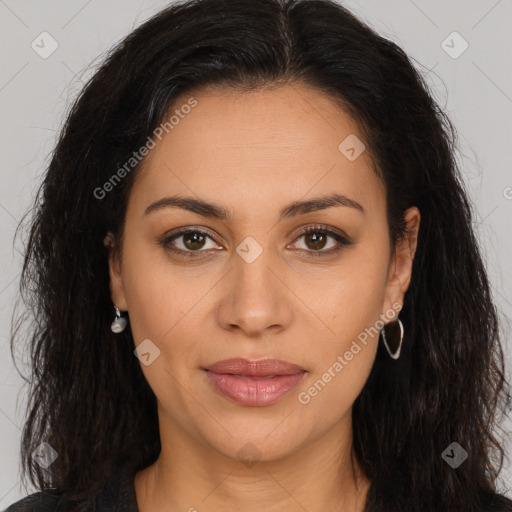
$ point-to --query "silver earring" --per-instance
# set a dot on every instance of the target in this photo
(119, 324)
(396, 354)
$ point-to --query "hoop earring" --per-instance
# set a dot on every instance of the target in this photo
(394, 355)
(120, 322)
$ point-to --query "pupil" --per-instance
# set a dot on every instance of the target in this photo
(194, 240)
(317, 241)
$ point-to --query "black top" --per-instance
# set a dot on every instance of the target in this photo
(117, 495)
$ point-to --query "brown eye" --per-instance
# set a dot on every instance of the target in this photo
(193, 240)
(320, 241)
(190, 241)
(315, 240)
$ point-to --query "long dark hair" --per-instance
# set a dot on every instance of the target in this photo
(88, 397)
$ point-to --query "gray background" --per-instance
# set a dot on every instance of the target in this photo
(475, 89)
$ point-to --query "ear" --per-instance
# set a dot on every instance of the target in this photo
(400, 269)
(114, 263)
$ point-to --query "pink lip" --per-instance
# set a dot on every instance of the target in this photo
(254, 383)
(260, 368)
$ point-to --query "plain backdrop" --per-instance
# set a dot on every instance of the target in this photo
(462, 48)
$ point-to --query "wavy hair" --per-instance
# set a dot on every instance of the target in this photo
(88, 398)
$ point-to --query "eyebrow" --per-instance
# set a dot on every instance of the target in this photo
(216, 211)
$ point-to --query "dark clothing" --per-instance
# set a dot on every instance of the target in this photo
(117, 495)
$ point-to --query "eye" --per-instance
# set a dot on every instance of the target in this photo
(316, 241)
(192, 242)
(189, 241)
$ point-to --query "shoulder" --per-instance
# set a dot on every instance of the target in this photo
(117, 494)
(498, 503)
(42, 501)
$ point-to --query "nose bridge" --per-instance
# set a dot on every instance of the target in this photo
(255, 298)
(253, 282)
(252, 277)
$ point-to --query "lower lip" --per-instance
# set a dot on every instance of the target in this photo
(257, 392)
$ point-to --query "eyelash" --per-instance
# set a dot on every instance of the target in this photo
(343, 242)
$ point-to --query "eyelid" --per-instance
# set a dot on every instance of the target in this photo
(342, 239)
(175, 233)
(166, 239)
(324, 229)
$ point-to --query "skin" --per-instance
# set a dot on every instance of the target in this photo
(253, 154)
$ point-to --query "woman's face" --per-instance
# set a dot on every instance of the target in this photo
(250, 285)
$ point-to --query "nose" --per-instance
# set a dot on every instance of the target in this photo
(255, 297)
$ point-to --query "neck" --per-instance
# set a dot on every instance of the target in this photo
(191, 477)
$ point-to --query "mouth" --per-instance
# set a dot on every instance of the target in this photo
(261, 368)
(254, 383)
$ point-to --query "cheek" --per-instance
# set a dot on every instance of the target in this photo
(155, 301)
(344, 358)
(159, 300)
(163, 304)
(331, 392)
(357, 293)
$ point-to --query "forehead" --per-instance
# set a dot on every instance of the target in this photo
(265, 144)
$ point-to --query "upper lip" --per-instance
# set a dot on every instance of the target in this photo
(260, 368)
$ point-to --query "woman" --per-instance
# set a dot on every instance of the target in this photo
(256, 281)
